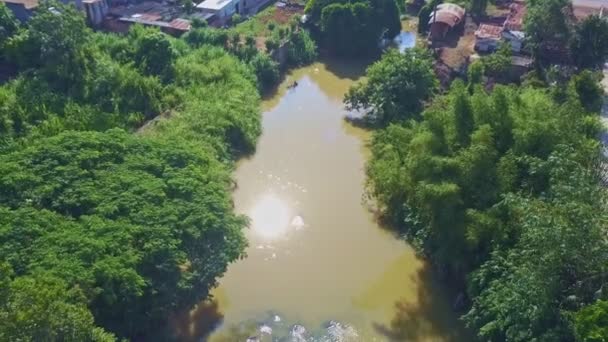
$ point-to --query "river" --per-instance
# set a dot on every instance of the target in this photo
(318, 266)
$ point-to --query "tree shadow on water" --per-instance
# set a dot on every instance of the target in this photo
(351, 69)
(428, 318)
(198, 323)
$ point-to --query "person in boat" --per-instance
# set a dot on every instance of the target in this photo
(294, 84)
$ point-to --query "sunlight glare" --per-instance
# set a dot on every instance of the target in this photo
(270, 216)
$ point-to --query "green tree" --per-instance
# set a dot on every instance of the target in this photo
(354, 28)
(396, 87)
(154, 54)
(591, 322)
(588, 90)
(501, 189)
(475, 73)
(137, 224)
(9, 25)
(54, 44)
(547, 26)
(341, 22)
(266, 70)
(425, 15)
(589, 44)
(498, 63)
(42, 308)
(478, 7)
(553, 265)
(302, 49)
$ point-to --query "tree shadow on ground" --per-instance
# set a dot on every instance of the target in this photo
(430, 317)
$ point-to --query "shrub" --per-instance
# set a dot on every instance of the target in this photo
(302, 49)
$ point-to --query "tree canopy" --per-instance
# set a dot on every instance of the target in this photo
(501, 189)
(106, 232)
(354, 28)
(396, 87)
(590, 42)
(139, 226)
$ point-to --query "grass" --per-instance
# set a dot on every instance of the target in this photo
(258, 24)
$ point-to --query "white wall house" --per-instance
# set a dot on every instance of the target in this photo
(220, 10)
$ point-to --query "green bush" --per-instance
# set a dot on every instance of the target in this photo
(236, 18)
(266, 71)
(302, 49)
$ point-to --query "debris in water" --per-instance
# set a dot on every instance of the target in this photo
(298, 222)
(264, 329)
(298, 333)
(341, 332)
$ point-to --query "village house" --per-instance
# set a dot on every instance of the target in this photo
(219, 12)
(488, 36)
(167, 17)
(446, 17)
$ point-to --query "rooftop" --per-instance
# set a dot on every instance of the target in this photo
(450, 14)
(515, 20)
(522, 61)
(489, 31)
(213, 5)
(28, 4)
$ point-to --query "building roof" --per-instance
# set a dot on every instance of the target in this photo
(488, 31)
(28, 4)
(515, 19)
(522, 61)
(180, 24)
(449, 14)
(585, 8)
(213, 5)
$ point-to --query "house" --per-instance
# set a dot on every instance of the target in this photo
(520, 65)
(515, 38)
(515, 19)
(584, 8)
(95, 10)
(445, 17)
(219, 12)
(487, 37)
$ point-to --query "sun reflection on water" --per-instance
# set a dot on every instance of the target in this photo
(270, 216)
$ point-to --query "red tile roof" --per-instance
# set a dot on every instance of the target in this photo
(515, 20)
(489, 31)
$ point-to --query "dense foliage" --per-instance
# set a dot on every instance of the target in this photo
(105, 232)
(8, 27)
(139, 226)
(354, 28)
(590, 42)
(554, 34)
(501, 189)
(547, 26)
(302, 49)
(396, 87)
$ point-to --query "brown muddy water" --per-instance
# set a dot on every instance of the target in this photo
(318, 266)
